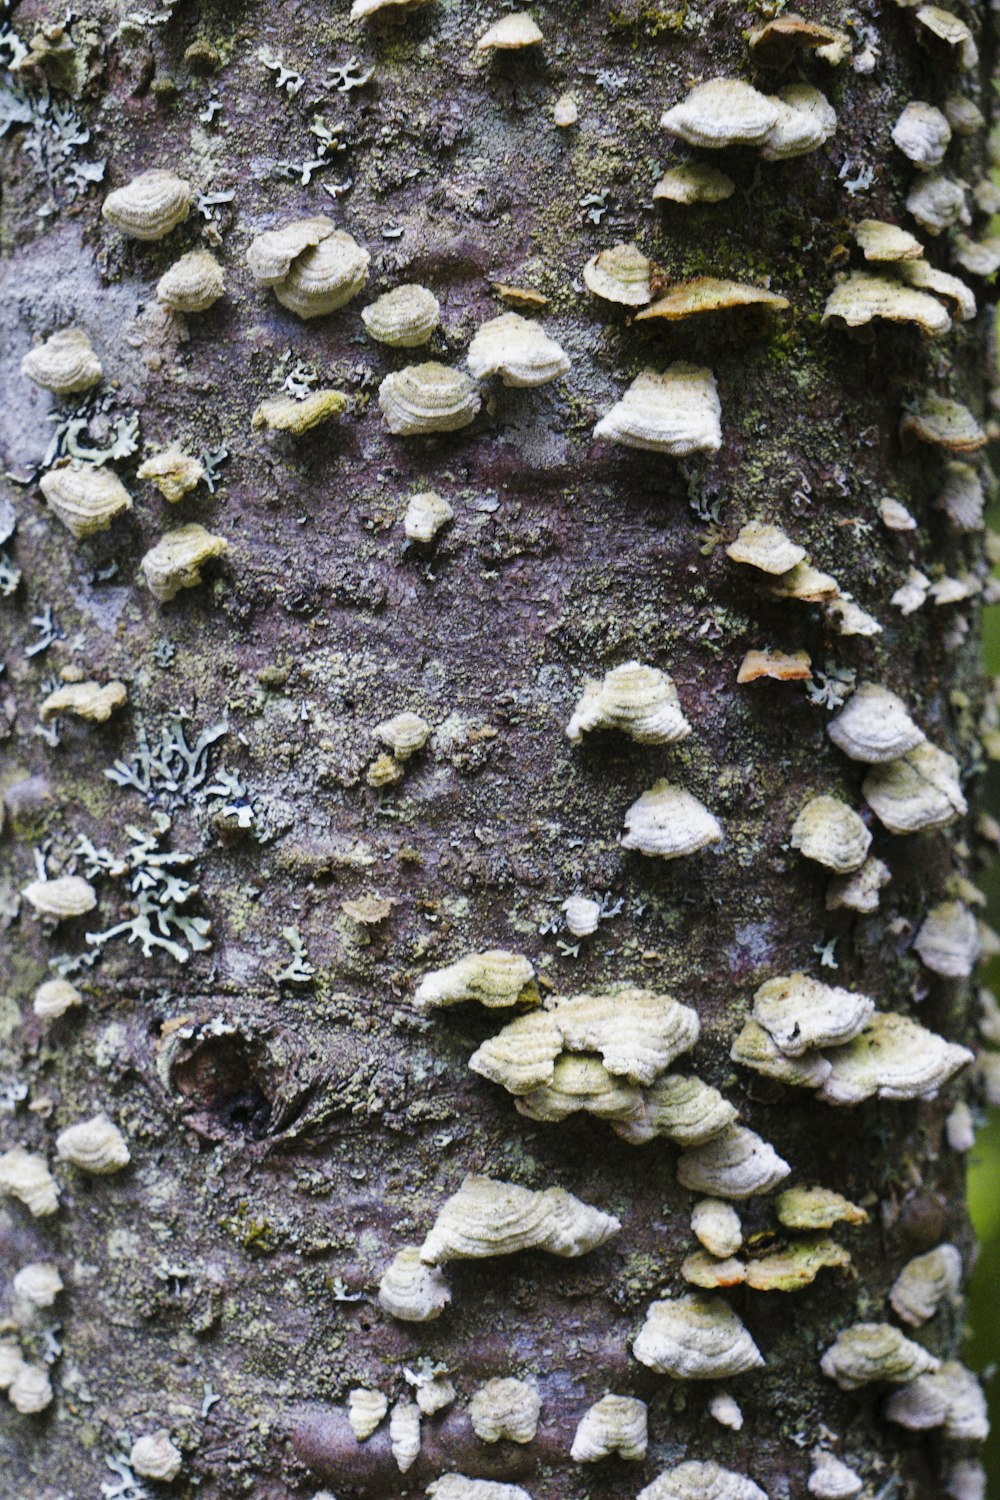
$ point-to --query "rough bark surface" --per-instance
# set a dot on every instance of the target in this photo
(316, 1122)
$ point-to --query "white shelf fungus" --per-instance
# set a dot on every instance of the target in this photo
(678, 413)
(288, 414)
(486, 1217)
(736, 1164)
(150, 206)
(962, 498)
(25, 1175)
(707, 1271)
(960, 1128)
(831, 1479)
(806, 119)
(863, 296)
(312, 267)
(85, 499)
(38, 1283)
(176, 561)
(582, 915)
(621, 275)
(64, 897)
(869, 1353)
(426, 513)
(496, 979)
(639, 701)
(434, 1395)
(365, 1410)
(458, 1487)
(427, 398)
(760, 545)
(404, 318)
(156, 1457)
(755, 1048)
(944, 33)
(412, 1291)
(30, 1391)
(938, 203)
(510, 34)
(65, 364)
(54, 997)
(192, 284)
(943, 423)
(694, 182)
(796, 1266)
(948, 942)
(669, 822)
(681, 1108)
(518, 350)
(701, 1481)
(816, 1208)
(695, 1338)
(580, 1084)
(832, 834)
(801, 1013)
(723, 112)
(505, 1409)
(96, 1146)
(804, 582)
(923, 134)
(950, 1398)
(707, 294)
(919, 790)
(880, 241)
(11, 1361)
(965, 1479)
(926, 1283)
(894, 1058)
(894, 516)
(950, 289)
(565, 111)
(874, 726)
(614, 1425)
(173, 472)
(716, 1225)
(860, 890)
(364, 8)
(405, 734)
(404, 1434)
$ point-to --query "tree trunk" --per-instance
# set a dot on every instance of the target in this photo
(293, 1117)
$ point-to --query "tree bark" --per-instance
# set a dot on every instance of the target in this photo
(311, 1121)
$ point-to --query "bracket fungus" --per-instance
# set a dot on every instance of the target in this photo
(800, 1013)
(919, 790)
(760, 545)
(54, 997)
(755, 1048)
(365, 1410)
(861, 889)
(693, 182)
(426, 513)
(874, 726)
(404, 1434)
(405, 734)
(783, 40)
(173, 471)
(615, 1425)
(518, 350)
(682, 1109)
(85, 700)
(496, 979)
(779, 666)
(458, 1487)
(64, 897)
(816, 1208)
(695, 1338)
(669, 822)
(38, 1283)
(737, 1163)
(723, 112)
(176, 561)
(404, 318)
(156, 1457)
(880, 241)
(796, 1265)
(678, 413)
(364, 8)
(412, 1291)
(620, 274)
(864, 296)
(949, 289)
(894, 1058)
(640, 701)
(25, 1175)
(580, 1085)
(312, 267)
(943, 423)
(150, 206)
(487, 1217)
(716, 1225)
(870, 1353)
(701, 1481)
(510, 34)
(710, 1273)
(962, 499)
(946, 36)
(925, 1283)
(287, 414)
(192, 284)
(85, 499)
(949, 941)
(832, 834)
(708, 294)
(505, 1409)
(95, 1146)
(950, 1398)
(923, 134)
(830, 1479)
(428, 398)
(65, 364)
(938, 203)
(582, 915)
(30, 1392)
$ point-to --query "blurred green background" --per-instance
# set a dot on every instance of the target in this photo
(983, 1347)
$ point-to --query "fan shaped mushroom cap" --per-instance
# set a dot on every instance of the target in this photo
(893, 1057)
(412, 1291)
(640, 701)
(722, 112)
(365, 1410)
(925, 1283)
(518, 350)
(496, 979)
(192, 284)
(149, 206)
(695, 1338)
(85, 499)
(919, 790)
(801, 1013)
(505, 1409)
(951, 1398)
(25, 1175)
(831, 833)
(613, 1425)
(701, 1481)
(428, 398)
(716, 1225)
(874, 726)
(681, 1108)
(867, 1353)
(176, 561)
(487, 1217)
(620, 274)
(677, 413)
(65, 896)
(949, 940)
(96, 1146)
(65, 364)
(669, 822)
(403, 318)
(736, 1164)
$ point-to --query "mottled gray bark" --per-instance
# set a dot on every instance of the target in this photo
(315, 1122)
